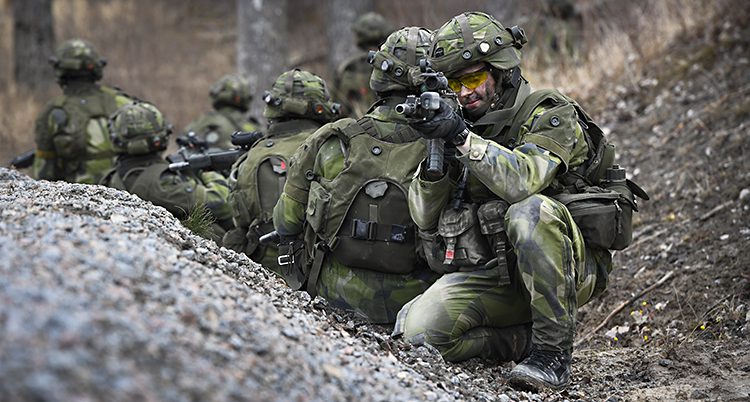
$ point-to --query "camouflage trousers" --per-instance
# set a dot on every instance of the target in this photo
(376, 296)
(469, 314)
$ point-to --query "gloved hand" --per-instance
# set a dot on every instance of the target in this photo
(445, 124)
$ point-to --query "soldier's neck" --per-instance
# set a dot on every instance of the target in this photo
(281, 128)
(74, 87)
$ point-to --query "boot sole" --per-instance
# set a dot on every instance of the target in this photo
(528, 383)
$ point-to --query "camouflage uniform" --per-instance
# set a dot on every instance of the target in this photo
(376, 155)
(352, 77)
(230, 96)
(72, 140)
(139, 134)
(529, 147)
(257, 178)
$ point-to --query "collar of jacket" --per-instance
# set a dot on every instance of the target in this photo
(495, 121)
(290, 127)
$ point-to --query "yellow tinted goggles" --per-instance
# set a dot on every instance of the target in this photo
(470, 81)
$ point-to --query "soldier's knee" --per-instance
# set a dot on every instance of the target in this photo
(523, 216)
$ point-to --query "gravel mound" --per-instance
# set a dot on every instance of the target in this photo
(106, 297)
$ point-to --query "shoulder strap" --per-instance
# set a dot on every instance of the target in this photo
(531, 102)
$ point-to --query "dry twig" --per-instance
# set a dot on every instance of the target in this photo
(622, 306)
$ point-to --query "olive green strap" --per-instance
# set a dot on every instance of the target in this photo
(412, 36)
(312, 279)
(463, 22)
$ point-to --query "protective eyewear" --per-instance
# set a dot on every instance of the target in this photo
(470, 81)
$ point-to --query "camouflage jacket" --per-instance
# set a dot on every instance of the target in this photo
(512, 157)
(72, 135)
(179, 193)
(217, 126)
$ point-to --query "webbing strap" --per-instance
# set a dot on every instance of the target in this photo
(312, 280)
(463, 23)
(412, 36)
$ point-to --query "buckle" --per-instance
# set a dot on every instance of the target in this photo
(285, 259)
(363, 230)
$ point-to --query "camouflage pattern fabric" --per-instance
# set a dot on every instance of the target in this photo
(552, 272)
(72, 136)
(149, 177)
(375, 295)
(256, 183)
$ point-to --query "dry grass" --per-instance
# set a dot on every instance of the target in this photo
(170, 51)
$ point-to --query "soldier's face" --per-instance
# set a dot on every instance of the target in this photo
(474, 98)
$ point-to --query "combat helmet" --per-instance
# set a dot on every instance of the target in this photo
(139, 128)
(77, 58)
(370, 30)
(472, 38)
(231, 90)
(395, 65)
(299, 94)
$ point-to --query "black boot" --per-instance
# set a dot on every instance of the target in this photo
(542, 369)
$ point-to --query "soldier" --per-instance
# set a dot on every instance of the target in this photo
(347, 188)
(352, 77)
(296, 106)
(517, 264)
(139, 135)
(230, 97)
(72, 141)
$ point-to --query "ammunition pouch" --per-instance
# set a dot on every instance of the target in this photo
(491, 217)
(458, 244)
(604, 215)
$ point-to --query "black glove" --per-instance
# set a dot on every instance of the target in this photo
(445, 124)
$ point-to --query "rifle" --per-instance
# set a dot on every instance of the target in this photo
(218, 160)
(24, 160)
(434, 86)
(190, 144)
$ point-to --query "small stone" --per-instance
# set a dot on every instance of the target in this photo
(745, 196)
(665, 363)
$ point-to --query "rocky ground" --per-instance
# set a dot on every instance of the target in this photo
(106, 297)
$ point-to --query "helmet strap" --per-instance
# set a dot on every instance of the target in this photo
(466, 33)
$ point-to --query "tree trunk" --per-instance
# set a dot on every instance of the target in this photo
(341, 17)
(33, 39)
(262, 44)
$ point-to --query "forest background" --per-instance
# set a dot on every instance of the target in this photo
(170, 51)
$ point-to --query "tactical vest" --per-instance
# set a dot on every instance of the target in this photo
(362, 214)
(84, 143)
(258, 179)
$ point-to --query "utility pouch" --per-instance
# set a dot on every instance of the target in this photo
(604, 216)
(317, 206)
(292, 263)
(491, 217)
(459, 244)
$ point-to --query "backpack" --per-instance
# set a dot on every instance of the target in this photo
(597, 194)
(257, 181)
(362, 215)
(84, 142)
